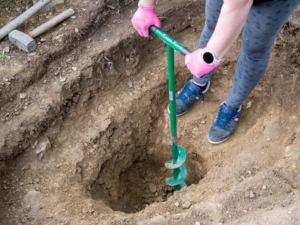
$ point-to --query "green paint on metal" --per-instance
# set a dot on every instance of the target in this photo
(168, 40)
(178, 153)
(172, 91)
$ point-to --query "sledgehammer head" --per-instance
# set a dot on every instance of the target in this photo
(22, 40)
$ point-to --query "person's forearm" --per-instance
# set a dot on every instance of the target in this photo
(230, 23)
(147, 3)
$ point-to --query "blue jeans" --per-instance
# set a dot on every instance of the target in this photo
(262, 26)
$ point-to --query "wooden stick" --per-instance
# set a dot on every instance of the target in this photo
(51, 23)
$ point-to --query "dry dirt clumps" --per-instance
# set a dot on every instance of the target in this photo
(85, 131)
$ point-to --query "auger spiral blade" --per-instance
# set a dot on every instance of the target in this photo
(181, 157)
(178, 177)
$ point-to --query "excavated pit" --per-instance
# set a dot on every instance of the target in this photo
(124, 165)
(143, 182)
(125, 169)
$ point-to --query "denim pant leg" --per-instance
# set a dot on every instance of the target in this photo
(212, 12)
(262, 26)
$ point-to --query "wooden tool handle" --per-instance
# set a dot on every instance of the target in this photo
(51, 23)
(22, 18)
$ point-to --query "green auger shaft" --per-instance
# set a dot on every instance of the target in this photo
(173, 121)
(172, 97)
(178, 153)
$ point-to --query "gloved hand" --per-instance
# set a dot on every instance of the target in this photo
(194, 62)
(143, 18)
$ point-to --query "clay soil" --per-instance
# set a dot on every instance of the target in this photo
(84, 130)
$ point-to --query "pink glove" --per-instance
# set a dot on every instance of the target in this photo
(143, 18)
(194, 62)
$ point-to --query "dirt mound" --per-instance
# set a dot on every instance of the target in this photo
(85, 130)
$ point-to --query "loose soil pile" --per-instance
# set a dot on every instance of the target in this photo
(85, 130)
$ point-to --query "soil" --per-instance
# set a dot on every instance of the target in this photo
(85, 128)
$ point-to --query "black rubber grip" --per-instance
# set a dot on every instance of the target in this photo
(185, 51)
(152, 29)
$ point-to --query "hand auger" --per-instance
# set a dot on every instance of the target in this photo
(178, 153)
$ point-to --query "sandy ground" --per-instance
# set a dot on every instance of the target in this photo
(85, 130)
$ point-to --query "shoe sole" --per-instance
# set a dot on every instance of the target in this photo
(178, 114)
(216, 143)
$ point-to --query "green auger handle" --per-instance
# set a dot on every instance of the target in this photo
(178, 153)
(169, 40)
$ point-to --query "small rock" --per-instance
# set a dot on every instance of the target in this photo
(252, 195)
(84, 211)
(73, 17)
(249, 104)
(42, 147)
(195, 130)
(76, 30)
(212, 90)
(111, 109)
(43, 40)
(152, 187)
(288, 150)
(150, 151)
(23, 95)
(157, 220)
(264, 187)
(245, 211)
(5, 50)
(203, 122)
(32, 54)
(219, 223)
(197, 223)
(74, 68)
(186, 205)
(176, 216)
(269, 139)
(159, 199)
(176, 204)
(25, 167)
(163, 169)
(62, 79)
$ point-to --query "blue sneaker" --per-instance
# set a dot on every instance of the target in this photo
(187, 96)
(224, 125)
